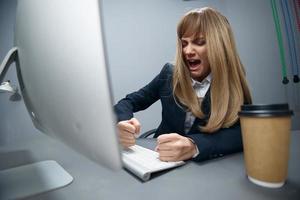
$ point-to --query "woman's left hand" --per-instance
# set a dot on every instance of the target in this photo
(174, 147)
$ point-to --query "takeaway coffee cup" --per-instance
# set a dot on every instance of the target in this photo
(266, 139)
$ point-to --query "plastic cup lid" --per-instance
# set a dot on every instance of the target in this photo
(265, 110)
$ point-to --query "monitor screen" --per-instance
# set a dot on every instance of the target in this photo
(63, 75)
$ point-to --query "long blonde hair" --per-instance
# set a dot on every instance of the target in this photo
(229, 88)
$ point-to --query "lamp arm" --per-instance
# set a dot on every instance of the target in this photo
(10, 57)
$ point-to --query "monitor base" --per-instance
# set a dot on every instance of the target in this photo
(32, 179)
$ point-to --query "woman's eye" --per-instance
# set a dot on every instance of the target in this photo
(184, 43)
(200, 42)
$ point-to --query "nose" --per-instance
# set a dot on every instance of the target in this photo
(189, 51)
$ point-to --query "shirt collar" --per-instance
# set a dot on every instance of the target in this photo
(203, 83)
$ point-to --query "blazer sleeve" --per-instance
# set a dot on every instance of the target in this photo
(212, 145)
(141, 99)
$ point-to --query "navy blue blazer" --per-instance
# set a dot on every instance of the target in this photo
(210, 145)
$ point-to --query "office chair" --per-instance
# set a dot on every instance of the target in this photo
(148, 133)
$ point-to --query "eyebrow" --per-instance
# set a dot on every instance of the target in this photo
(195, 38)
(201, 37)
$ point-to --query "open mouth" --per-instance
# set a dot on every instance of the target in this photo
(193, 63)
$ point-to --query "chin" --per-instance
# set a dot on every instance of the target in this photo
(196, 75)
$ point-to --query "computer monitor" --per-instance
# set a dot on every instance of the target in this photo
(63, 75)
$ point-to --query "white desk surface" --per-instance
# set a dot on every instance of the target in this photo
(222, 178)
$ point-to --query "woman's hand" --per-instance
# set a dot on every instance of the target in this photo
(127, 130)
(174, 147)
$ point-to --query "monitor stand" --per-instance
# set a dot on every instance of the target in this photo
(32, 179)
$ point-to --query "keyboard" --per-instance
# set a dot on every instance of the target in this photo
(142, 161)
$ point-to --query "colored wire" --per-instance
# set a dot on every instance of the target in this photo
(296, 9)
(280, 43)
(290, 36)
(296, 6)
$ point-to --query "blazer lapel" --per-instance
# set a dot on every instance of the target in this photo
(179, 115)
(181, 120)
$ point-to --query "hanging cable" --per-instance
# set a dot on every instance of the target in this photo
(296, 10)
(280, 43)
(290, 38)
(296, 6)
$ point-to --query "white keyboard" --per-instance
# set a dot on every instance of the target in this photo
(147, 158)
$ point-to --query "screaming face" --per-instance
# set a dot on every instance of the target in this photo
(195, 56)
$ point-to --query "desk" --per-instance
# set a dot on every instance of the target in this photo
(222, 178)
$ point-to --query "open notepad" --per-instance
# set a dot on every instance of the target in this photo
(142, 162)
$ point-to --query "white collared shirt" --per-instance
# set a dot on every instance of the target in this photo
(201, 89)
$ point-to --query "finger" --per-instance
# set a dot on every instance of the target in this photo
(127, 143)
(129, 133)
(170, 158)
(165, 146)
(130, 128)
(126, 126)
(167, 138)
(136, 124)
(166, 158)
(167, 153)
(126, 135)
(123, 141)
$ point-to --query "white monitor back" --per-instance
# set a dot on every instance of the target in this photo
(63, 75)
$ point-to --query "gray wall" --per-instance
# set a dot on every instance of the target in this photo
(141, 39)
(14, 121)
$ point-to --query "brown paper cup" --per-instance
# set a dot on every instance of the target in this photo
(266, 139)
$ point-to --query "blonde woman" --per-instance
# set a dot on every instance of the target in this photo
(200, 94)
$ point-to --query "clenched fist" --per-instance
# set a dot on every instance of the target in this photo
(174, 147)
(127, 130)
